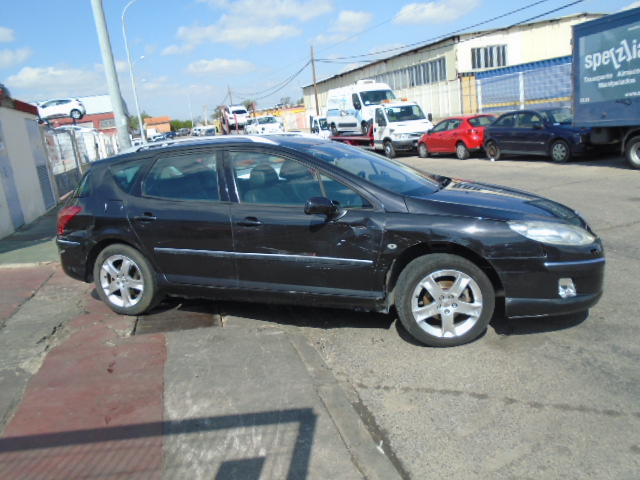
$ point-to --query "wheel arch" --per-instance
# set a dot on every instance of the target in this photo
(423, 249)
(101, 245)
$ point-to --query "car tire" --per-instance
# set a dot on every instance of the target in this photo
(423, 150)
(560, 151)
(444, 300)
(125, 280)
(493, 151)
(76, 114)
(364, 128)
(462, 152)
(632, 152)
(389, 150)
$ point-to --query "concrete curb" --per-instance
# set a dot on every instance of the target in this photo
(370, 460)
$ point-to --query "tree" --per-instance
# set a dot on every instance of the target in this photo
(133, 120)
(285, 101)
(249, 105)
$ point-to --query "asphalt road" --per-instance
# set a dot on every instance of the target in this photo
(554, 398)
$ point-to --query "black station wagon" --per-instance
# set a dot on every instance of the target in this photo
(299, 220)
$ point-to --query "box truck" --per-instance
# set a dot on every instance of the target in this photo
(606, 81)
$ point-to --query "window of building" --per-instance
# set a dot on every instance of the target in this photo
(108, 123)
(489, 57)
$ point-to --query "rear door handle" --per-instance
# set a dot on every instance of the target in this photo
(249, 222)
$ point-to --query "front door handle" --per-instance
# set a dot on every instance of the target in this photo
(145, 217)
(249, 222)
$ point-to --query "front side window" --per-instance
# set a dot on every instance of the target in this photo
(441, 127)
(184, 177)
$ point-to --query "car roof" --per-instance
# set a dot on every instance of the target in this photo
(287, 140)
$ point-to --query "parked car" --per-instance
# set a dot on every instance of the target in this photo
(300, 220)
(460, 135)
(530, 132)
(263, 125)
(183, 132)
(62, 107)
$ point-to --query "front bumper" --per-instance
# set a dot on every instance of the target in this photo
(535, 291)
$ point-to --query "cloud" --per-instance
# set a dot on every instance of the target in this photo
(48, 82)
(8, 58)
(434, 12)
(220, 66)
(348, 24)
(6, 35)
(630, 6)
(351, 22)
(250, 22)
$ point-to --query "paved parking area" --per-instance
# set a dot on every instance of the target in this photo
(533, 399)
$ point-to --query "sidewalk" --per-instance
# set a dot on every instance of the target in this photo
(82, 396)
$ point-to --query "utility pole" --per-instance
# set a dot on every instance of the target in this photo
(112, 77)
(315, 86)
(230, 97)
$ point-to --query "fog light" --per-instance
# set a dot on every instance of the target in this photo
(566, 288)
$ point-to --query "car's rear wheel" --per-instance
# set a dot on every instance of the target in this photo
(444, 300)
(560, 151)
(334, 130)
(462, 152)
(389, 150)
(493, 151)
(423, 150)
(76, 114)
(125, 280)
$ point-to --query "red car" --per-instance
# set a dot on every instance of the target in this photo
(460, 135)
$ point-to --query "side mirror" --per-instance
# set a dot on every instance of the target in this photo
(357, 105)
(320, 206)
(430, 117)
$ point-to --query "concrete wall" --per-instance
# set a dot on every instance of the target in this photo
(21, 198)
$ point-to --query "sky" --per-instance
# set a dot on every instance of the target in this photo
(188, 55)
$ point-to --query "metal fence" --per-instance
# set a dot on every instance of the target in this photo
(71, 151)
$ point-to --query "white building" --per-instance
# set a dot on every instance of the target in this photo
(441, 76)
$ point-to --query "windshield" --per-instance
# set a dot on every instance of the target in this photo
(267, 120)
(561, 116)
(378, 170)
(404, 113)
(376, 97)
(323, 124)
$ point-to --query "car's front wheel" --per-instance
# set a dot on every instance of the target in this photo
(632, 152)
(125, 280)
(423, 150)
(493, 151)
(560, 151)
(444, 300)
(389, 150)
(76, 114)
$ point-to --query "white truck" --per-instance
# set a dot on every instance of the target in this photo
(397, 127)
(350, 109)
(320, 127)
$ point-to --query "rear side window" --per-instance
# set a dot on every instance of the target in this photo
(184, 177)
(125, 174)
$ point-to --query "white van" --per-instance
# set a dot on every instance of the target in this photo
(350, 109)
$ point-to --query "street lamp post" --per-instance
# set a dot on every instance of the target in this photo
(133, 81)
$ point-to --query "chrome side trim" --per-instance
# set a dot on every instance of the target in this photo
(67, 243)
(573, 264)
(267, 256)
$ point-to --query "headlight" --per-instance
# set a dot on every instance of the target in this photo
(554, 233)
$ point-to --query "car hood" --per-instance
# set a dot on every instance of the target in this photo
(483, 200)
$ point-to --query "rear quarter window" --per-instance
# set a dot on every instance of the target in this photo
(125, 174)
